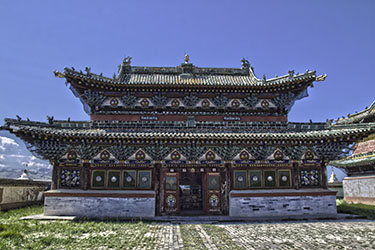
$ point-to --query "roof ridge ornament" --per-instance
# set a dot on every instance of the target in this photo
(123, 67)
(245, 63)
(321, 78)
(186, 58)
(291, 74)
(58, 74)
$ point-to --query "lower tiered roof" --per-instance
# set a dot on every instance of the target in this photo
(184, 130)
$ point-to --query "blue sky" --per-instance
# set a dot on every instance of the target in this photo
(333, 37)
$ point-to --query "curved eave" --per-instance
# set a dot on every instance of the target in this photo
(337, 135)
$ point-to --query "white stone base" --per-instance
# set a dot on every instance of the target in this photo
(95, 204)
(282, 203)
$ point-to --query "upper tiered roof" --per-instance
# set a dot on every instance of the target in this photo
(187, 90)
(186, 75)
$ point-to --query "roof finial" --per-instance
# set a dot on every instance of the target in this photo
(245, 63)
(186, 58)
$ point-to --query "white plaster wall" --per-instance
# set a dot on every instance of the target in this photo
(99, 207)
(285, 206)
(359, 187)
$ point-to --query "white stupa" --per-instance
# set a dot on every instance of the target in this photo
(24, 176)
(333, 178)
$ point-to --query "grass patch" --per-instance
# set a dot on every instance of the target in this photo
(367, 211)
(83, 234)
(220, 237)
(190, 237)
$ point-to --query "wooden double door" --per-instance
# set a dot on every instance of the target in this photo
(187, 192)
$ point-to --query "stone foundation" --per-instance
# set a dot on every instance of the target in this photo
(360, 189)
(100, 204)
(282, 203)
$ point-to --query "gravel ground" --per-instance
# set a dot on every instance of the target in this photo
(345, 234)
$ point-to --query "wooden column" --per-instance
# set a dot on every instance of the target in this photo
(227, 182)
(156, 183)
(85, 176)
(323, 167)
(296, 176)
(55, 175)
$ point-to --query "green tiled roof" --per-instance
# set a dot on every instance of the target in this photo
(355, 160)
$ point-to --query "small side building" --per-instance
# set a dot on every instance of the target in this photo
(359, 186)
(21, 192)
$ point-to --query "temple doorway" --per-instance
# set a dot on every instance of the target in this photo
(191, 193)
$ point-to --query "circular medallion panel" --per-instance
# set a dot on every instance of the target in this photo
(278, 155)
(113, 179)
(145, 103)
(175, 156)
(72, 155)
(114, 102)
(244, 156)
(175, 103)
(236, 103)
(140, 155)
(105, 155)
(205, 103)
(309, 156)
(240, 179)
(265, 104)
(210, 156)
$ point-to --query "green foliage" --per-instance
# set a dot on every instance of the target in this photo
(367, 211)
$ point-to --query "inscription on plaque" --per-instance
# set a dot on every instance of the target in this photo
(232, 118)
(149, 118)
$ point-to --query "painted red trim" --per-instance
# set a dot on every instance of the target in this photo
(100, 117)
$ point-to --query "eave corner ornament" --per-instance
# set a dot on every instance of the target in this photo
(58, 74)
(321, 78)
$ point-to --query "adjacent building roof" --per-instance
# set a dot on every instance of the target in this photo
(366, 115)
(355, 160)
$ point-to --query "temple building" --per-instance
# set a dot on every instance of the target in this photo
(188, 140)
(359, 186)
